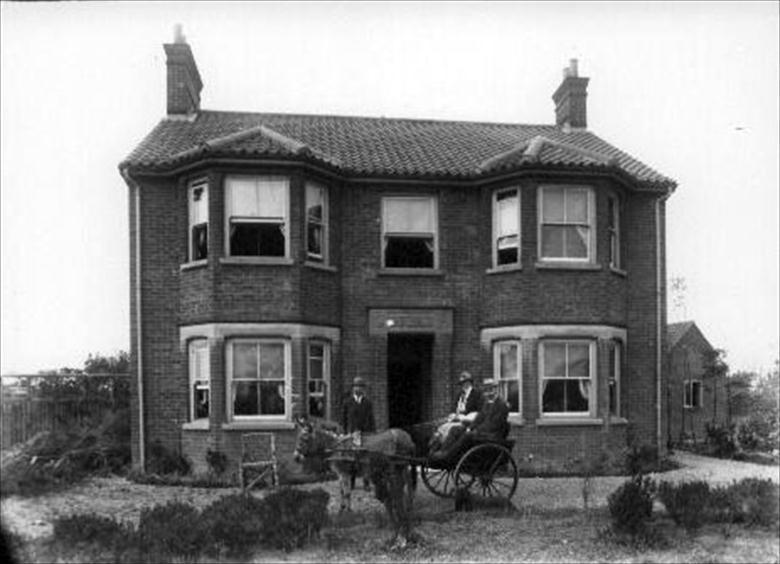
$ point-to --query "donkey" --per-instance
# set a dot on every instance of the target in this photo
(385, 458)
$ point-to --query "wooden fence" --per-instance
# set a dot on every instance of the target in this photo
(35, 403)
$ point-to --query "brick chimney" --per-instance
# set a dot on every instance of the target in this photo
(571, 108)
(184, 84)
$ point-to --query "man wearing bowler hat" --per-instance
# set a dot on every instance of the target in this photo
(358, 416)
(358, 412)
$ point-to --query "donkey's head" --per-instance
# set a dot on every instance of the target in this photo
(313, 441)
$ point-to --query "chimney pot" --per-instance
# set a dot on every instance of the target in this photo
(178, 34)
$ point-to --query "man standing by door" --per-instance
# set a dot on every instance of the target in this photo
(358, 416)
(358, 412)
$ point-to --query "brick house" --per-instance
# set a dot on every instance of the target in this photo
(275, 257)
(693, 399)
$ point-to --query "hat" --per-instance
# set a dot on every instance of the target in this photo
(358, 382)
(465, 376)
(489, 384)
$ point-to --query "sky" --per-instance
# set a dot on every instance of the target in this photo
(691, 89)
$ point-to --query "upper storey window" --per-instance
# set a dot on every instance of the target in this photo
(613, 226)
(506, 227)
(198, 205)
(567, 223)
(316, 222)
(257, 217)
(409, 232)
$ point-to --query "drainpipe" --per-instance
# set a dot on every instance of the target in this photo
(659, 294)
(136, 191)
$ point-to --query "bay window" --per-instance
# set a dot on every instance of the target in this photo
(507, 364)
(318, 377)
(256, 216)
(258, 378)
(409, 232)
(613, 228)
(200, 381)
(198, 211)
(316, 222)
(615, 369)
(506, 227)
(567, 369)
(566, 223)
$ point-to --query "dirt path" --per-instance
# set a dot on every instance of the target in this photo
(119, 498)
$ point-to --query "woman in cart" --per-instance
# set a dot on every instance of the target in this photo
(490, 423)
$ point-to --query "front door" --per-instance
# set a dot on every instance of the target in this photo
(409, 358)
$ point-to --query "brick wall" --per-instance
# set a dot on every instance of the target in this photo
(343, 296)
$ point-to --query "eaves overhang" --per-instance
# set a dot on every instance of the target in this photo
(210, 158)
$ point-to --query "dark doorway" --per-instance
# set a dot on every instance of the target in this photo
(409, 359)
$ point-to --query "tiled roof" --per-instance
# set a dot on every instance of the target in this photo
(675, 332)
(386, 147)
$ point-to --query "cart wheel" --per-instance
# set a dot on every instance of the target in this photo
(487, 470)
(440, 481)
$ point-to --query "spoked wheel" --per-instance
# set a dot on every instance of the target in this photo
(487, 470)
(440, 481)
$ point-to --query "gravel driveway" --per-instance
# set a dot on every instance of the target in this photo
(123, 500)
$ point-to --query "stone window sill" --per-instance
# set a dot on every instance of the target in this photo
(578, 421)
(504, 268)
(516, 420)
(259, 425)
(567, 265)
(197, 425)
(320, 266)
(194, 264)
(257, 261)
(410, 272)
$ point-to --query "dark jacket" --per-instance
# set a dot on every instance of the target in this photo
(474, 401)
(358, 416)
(492, 419)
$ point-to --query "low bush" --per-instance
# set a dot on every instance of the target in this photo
(292, 517)
(631, 505)
(755, 502)
(164, 461)
(751, 501)
(92, 528)
(688, 503)
(721, 440)
(235, 524)
(175, 529)
(641, 459)
(217, 461)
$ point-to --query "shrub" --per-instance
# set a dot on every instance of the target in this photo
(631, 505)
(174, 528)
(163, 461)
(720, 440)
(92, 528)
(235, 524)
(641, 459)
(217, 461)
(687, 503)
(292, 517)
(755, 502)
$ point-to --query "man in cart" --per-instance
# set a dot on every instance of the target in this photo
(490, 423)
